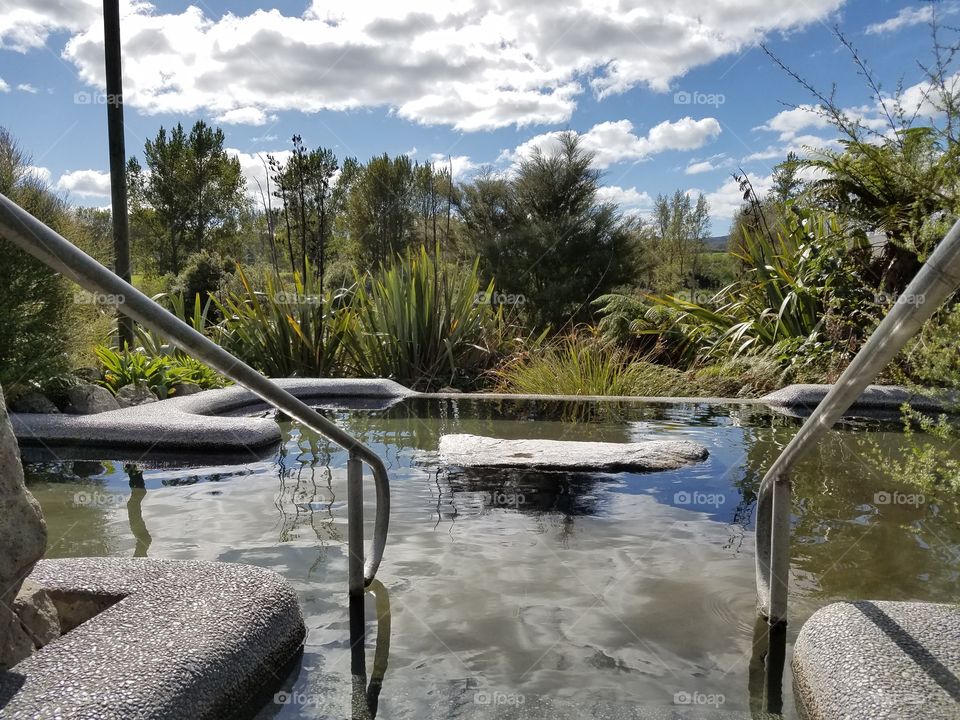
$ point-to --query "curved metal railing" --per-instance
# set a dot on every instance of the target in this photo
(936, 281)
(22, 229)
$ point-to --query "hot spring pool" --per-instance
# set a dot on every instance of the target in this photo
(524, 594)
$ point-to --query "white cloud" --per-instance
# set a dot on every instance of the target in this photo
(3, 86)
(462, 164)
(40, 173)
(629, 199)
(27, 88)
(726, 199)
(717, 162)
(252, 167)
(907, 17)
(614, 141)
(472, 64)
(245, 116)
(85, 182)
(789, 122)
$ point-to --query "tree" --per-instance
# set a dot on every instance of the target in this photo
(680, 226)
(190, 199)
(380, 209)
(304, 187)
(546, 236)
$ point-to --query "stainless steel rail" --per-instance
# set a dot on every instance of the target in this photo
(25, 231)
(934, 283)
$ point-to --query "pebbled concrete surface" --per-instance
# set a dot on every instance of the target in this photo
(875, 397)
(195, 422)
(178, 639)
(879, 659)
(650, 455)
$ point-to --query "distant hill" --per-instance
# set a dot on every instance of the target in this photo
(718, 243)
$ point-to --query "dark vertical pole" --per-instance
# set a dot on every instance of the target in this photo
(118, 156)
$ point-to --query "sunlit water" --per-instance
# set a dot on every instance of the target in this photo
(514, 593)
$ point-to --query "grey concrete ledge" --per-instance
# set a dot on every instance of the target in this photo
(195, 422)
(178, 639)
(802, 399)
(877, 659)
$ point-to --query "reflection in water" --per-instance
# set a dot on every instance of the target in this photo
(767, 660)
(571, 590)
(365, 698)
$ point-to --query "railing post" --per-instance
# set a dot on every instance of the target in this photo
(355, 579)
(779, 577)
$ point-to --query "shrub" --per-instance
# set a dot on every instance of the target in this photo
(929, 460)
(159, 373)
(287, 329)
(202, 276)
(424, 326)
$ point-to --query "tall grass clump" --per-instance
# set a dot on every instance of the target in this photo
(286, 329)
(581, 363)
(423, 325)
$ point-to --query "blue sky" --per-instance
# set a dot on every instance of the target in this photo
(670, 93)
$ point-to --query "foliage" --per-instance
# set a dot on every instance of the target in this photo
(190, 198)
(159, 373)
(680, 225)
(930, 460)
(423, 325)
(34, 301)
(546, 235)
(932, 359)
(202, 276)
(287, 329)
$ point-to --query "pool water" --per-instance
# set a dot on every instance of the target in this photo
(518, 594)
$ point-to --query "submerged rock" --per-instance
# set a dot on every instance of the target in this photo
(23, 537)
(34, 402)
(137, 393)
(90, 400)
(649, 455)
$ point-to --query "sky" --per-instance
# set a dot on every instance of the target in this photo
(669, 94)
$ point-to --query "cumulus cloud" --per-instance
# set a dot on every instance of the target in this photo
(85, 182)
(726, 199)
(3, 86)
(40, 173)
(472, 64)
(630, 200)
(717, 162)
(615, 141)
(462, 164)
(27, 88)
(252, 165)
(245, 116)
(907, 17)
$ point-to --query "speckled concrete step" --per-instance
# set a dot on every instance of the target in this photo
(876, 659)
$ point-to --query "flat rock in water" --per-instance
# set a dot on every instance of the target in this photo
(649, 455)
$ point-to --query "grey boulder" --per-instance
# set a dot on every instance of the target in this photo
(135, 394)
(185, 388)
(34, 402)
(23, 537)
(90, 400)
(649, 455)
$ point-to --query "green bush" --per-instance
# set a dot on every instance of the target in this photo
(202, 276)
(425, 326)
(930, 460)
(159, 373)
(287, 329)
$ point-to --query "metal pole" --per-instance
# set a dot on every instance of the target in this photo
(22, 229)
(355, 566)
(936, 281)
(118, 156)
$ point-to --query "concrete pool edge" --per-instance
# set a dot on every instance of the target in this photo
(180, 638)
(202, 423)
(191, 423)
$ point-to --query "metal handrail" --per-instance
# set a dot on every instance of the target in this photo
(22, 229)
(935, 282)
